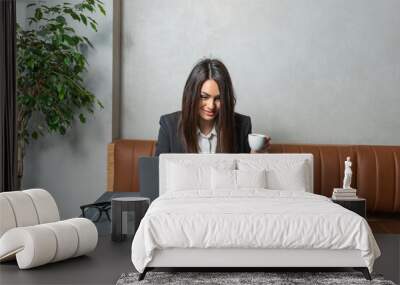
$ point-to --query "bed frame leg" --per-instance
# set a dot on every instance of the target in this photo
(143, 274)
(364, 271)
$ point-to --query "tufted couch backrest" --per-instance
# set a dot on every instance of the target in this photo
(376, 172)
(376, 169)
(123, 163)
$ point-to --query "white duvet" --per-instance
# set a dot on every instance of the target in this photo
(250, 219)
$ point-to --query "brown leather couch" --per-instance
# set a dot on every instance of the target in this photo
(376, 174)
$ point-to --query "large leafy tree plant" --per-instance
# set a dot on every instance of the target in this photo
(51, 63)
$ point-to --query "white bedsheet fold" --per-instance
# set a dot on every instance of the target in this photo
(251, 218)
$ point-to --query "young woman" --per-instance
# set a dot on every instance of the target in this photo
(207, 122)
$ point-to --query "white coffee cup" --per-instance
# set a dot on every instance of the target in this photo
(256, 141)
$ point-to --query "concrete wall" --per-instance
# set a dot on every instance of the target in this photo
(73, 167)
(305, 71)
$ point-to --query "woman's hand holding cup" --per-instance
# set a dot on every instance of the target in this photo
(259, 143)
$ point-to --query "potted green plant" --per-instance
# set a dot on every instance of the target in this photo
(50, 67)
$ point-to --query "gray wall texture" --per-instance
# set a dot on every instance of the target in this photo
(73, 167)
(305, 71)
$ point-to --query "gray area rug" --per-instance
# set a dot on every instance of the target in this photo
(228, 278)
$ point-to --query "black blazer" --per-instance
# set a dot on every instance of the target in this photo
(169, 142)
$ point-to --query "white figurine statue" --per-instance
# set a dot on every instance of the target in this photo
(347, 174)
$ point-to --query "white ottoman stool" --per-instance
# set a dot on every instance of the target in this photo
(24, 236)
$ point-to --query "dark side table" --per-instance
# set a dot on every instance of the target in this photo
(357, 205)
(126, 205)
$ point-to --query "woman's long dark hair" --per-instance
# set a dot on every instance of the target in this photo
(225, 122)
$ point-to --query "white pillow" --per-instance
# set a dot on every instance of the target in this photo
(236, 179)
(186, 175)
(282, 174)
(293, 178)
(223, 179)
(251, 178)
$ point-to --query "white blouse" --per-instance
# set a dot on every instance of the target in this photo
(207, 143)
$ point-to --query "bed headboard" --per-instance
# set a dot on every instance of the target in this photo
(210, 159)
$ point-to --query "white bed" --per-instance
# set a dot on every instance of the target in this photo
(202, 220)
